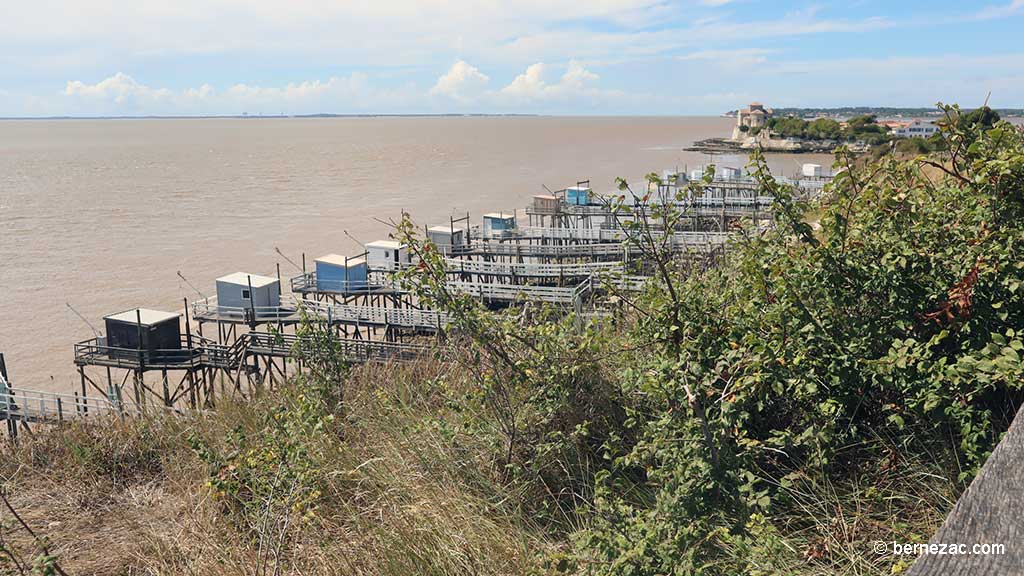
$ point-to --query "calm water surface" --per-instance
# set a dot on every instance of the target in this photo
(102, 214)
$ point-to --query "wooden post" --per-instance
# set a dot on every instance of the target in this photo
(252, 304)
(167, 391)
(85, 403)
(138, 322)
(188, 328)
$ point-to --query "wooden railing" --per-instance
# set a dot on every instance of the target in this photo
(210, 310)
(308, 284)
(511, 293)
(35, 406)
(544, 250)
(353, 350)
(95, 351)
(530, 270)
(376, 316)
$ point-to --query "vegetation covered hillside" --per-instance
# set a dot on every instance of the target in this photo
(825, 385)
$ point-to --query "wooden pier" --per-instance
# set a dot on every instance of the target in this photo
(573, 255)
(424, 321)
(204, 370)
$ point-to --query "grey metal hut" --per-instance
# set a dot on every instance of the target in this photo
(446, 237)
(239, 292)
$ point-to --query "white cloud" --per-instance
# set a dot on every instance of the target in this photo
(462, 83)
(897, 80)
(121, 88)
(738, 58)
(531, 86)
(410, 31)
(122, 94)
(571, 87)
(1000, 11)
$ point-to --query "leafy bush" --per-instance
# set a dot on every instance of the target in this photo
(813, 354)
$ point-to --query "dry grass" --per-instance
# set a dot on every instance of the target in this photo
(402, 493)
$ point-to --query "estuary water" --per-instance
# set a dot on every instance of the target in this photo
(102, 214)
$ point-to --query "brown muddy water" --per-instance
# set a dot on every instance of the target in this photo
(101, 214)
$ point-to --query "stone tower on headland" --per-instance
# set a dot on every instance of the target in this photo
(754, 116)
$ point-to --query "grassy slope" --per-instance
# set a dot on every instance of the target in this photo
(402, 494)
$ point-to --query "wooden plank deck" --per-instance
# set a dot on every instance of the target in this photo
(210, 311)
(96, 352)
(206, 354)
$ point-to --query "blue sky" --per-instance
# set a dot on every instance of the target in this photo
(139, 57)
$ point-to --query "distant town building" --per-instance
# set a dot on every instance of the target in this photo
(753, 116)
(916, 129)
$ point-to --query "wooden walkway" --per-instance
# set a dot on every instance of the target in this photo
(19, 405)
(96, 352)
(210, 311)
(353, 350)
(555, 251)
(374, 316)
(205, 354)
(376, 284)
(529, 270)
(617, 235)
(507, 293)
(701, 206)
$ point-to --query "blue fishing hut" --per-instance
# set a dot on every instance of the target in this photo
(497, 225)
(336, 273)
(578, 195)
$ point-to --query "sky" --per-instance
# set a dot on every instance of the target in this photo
(592, 57)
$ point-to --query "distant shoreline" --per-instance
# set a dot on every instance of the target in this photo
(887, 112)
(270, 117)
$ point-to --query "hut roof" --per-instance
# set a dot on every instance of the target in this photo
(499, 216)
(243, 279)
(146, 316)
(339, 260)
(445, 229)
(387, 244)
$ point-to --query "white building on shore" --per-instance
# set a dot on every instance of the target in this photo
(916, 129)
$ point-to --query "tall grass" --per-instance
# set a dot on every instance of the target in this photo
(404, 488)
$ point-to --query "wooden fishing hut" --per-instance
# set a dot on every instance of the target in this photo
(545, 210)
(353, 297)
(340, 274)
(387, 256)
(244, 300)
(498, 225)
(140, 341)
(447, 238)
